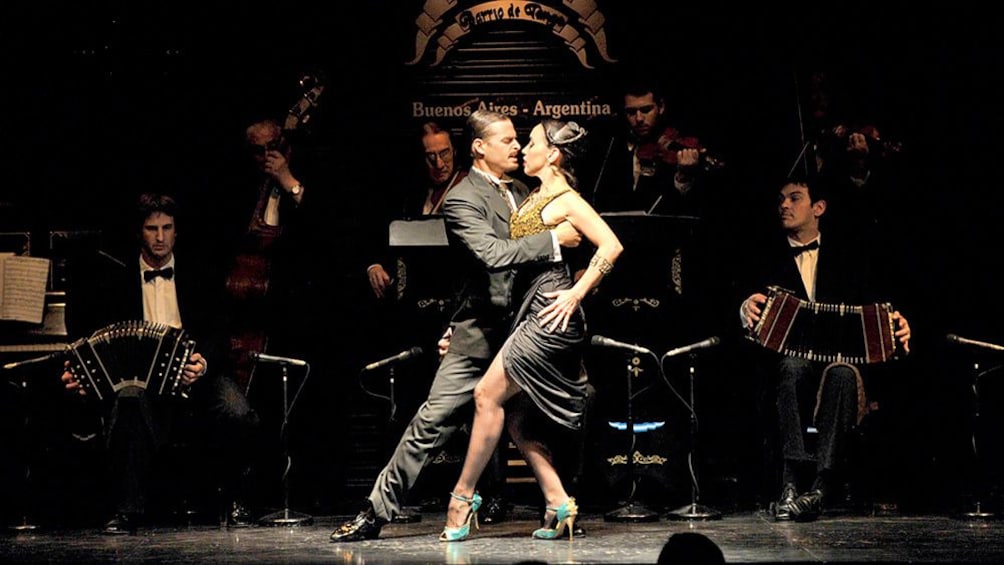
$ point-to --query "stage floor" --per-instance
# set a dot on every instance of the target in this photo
(749, 537)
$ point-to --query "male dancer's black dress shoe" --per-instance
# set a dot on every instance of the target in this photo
(807, 507)
(364, 526)
(120, 525)
(494, 511)
(782, 509)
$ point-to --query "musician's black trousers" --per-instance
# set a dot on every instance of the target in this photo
(798, 387)
(139, 426)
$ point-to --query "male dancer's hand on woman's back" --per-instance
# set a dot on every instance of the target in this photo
(568, 236)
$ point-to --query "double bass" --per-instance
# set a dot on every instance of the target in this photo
(249, 278)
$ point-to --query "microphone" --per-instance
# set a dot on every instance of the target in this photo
(607, 342)
(266, 358)
(22, 363)
(964, 341)
(403, 356)
(710, 342)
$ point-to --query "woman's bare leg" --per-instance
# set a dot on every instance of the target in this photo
(489, 418)
(540, 459)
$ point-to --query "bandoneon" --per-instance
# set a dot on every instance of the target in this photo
(825, 332)
(131, 354)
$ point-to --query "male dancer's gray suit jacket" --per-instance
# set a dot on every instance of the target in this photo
(477, 222)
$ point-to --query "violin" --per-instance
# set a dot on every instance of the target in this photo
(667, 147)
(876, 145)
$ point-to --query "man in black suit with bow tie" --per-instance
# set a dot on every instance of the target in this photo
(157, 287)
(829, 394)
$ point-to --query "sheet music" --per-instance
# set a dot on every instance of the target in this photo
(22, 287)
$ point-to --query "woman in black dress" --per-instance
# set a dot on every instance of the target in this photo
(542, 356)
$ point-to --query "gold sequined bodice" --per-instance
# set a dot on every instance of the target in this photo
(527, 220)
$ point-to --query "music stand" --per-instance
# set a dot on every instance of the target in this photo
(287, 517)
(423, 284)
(694, 510)
(424, 293)
(429, 231)
(632, 295)
(631, 511)
(652, 243)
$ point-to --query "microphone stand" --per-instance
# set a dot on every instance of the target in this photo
(631, 511)
(694, 510)
(977, 512)
(393, 397)
(406, 516)
(25, 525)
(286, 517)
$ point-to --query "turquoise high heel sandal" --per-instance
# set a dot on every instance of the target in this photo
(461, 533)
(564, 517)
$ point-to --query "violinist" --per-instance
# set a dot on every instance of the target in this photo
(863, 171)
(854, 149)
(653, 167)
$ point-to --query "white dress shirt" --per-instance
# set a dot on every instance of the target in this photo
(806, 263)
(160, 297)
(272, 208)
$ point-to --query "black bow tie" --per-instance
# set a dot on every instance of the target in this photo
(796, 251)
(166, 272)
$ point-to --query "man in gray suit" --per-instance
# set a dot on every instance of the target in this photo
(477, 214)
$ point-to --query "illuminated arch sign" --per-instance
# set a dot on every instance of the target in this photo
(443, 23)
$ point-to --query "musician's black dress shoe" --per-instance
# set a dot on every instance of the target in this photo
(239, 516)
(807, 507)
(121, 524)
(494, 511)
(782, 509)
(364, 526)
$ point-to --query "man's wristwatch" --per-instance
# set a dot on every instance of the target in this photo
(296, 189)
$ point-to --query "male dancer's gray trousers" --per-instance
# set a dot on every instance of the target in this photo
(435, 422)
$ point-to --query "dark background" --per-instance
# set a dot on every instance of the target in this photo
(103, 102)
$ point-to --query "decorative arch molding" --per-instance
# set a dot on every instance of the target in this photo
(444, 23)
